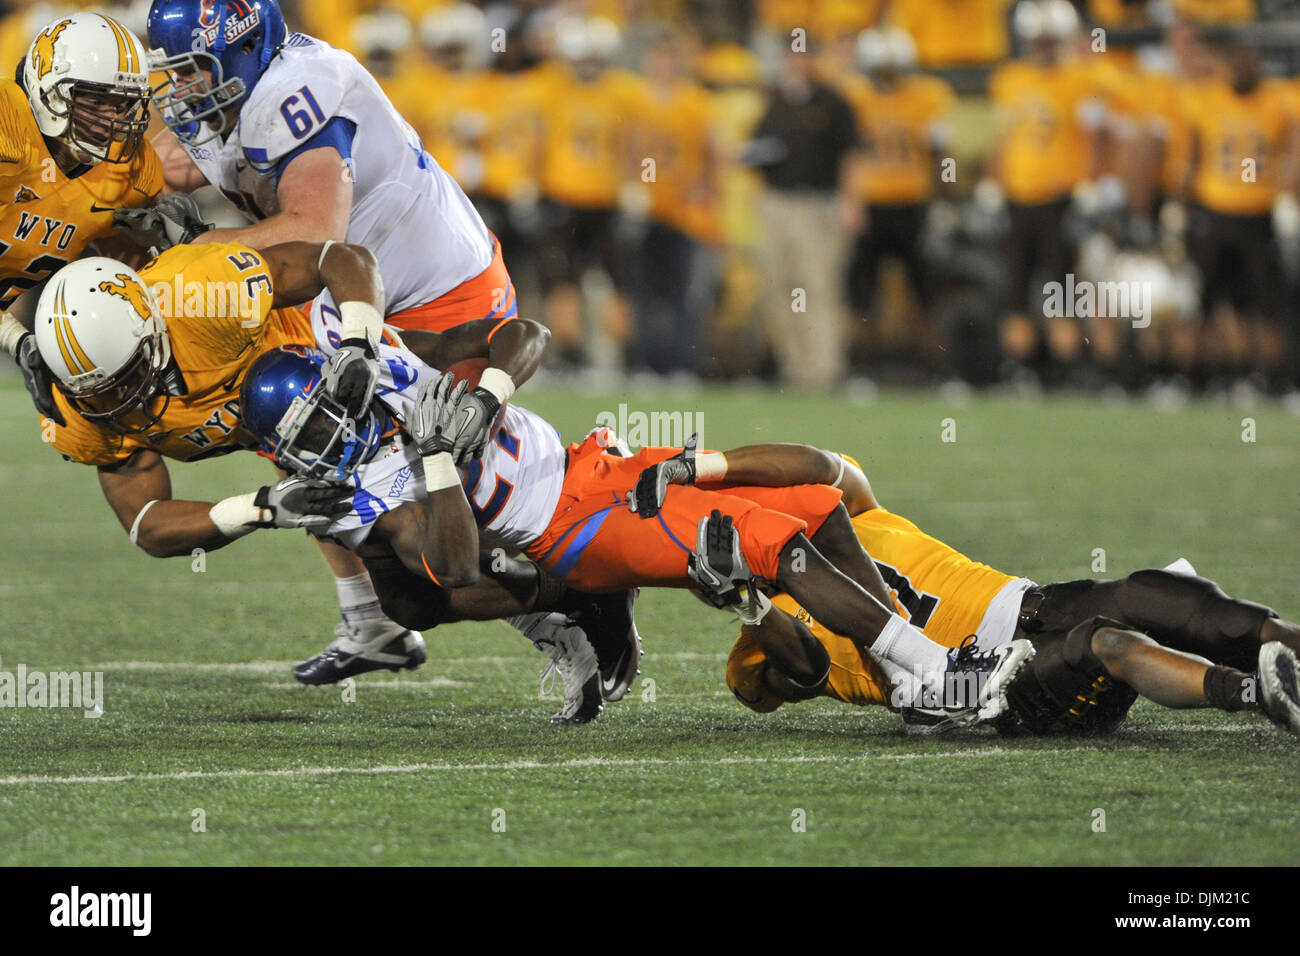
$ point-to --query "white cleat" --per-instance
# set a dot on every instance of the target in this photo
(574, 660)
(1012, 656)
(1279, 685)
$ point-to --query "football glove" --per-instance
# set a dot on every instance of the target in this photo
(350, 376)
(301, 502)
(172, 221)
(473, 436)
(435, 417)
(37, 378)
(647, 495)
(721, 571)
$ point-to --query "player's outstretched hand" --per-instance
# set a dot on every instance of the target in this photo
(647, 495)
(301, 502)
(351, 376)
(37, 378)
(434, 417)
(172, 221)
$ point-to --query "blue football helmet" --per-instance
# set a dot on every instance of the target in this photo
(234, 39)
(304, 430)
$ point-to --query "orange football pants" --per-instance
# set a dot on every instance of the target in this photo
(596, 543)
(488, 295)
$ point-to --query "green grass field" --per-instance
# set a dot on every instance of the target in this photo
(201, 712)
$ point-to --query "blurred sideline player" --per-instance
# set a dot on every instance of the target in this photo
(1051, 113)
(602, 522)
(302, 139)
(586, 163)
(902, 119)
(674, 128)
(1094, 653)
(72, 151)
(1242, 156)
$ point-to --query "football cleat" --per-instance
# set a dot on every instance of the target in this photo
(1279, 685)
(359, 649)
(573, 659)
(991, 670)
(608, 622)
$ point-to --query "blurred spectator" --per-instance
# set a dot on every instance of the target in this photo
(901, 116)
(805, 146)
(954, 32)
(679, 159)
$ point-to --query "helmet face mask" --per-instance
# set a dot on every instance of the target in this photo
(197, 98)
(304, 430)
(100, 116)
(125, 393)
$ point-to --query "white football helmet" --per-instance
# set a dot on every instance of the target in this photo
(1045, 19)
(462, 28)
(579, 39)
(890, 49)
(101, 336)
(87, 80)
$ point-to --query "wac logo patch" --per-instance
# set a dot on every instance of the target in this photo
(25, 194)
(43, 48)
(133, 292)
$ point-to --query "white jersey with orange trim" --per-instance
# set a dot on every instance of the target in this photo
(406, 209)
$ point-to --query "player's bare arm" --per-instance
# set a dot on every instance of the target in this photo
(515, 347)
(315, 196)
(140, 493)
(436, 536)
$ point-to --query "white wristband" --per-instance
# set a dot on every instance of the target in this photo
(11, 330)
(499, 383)
(135, 525)
(323, 250)
(361, 320)
(440, 472)
(237, 516)
(710, 466)
(839, 477)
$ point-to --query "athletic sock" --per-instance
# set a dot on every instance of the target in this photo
(905, 646)
(1229, 689)
(357, 599)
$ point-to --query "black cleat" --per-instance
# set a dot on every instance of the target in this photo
(608, 622)
(351, 654)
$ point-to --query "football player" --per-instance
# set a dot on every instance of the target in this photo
(418, 520)
(1167, 635)
(300, 137)
(149, 366)
(72, 151)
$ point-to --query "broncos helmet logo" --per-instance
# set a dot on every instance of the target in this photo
(43, 49)
(133, 292)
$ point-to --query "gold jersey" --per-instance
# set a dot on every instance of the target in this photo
(213, 344)
(938, 589)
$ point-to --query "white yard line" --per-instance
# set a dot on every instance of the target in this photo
(273, 667)
(508, 766)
